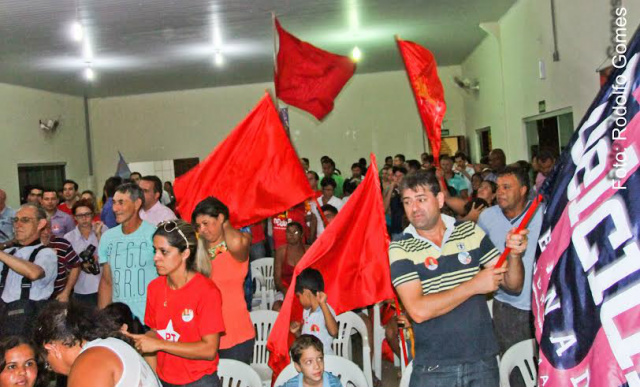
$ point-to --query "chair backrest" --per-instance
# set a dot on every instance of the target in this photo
(523, 356)
(348, 372)
(265, 267)
(263, 321)
(406, 375)
(233, 373)
(347, 322)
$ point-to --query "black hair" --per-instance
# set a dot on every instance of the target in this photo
(428, 157)
(422, 178)
(75, 185)
(445, 157)
(83, 203)
(324, 159)
(414, 164)
(88, 191)
(519, 173)
(310, 279)
(8, 343)
(210, 206)
(388, 158)
(296, 225)
(400, 156)
(176, 240)
(111, 184)
(135, 173)
(326, 181)
(306, 160)
(461, 155)
(303, 342)
(524, 165)
(546, 154)
(314, 174)
(49, 189)
(329, 208)
(330, 162)
(72, 323)
(121, 314)
(399, 169)
(157, 183)
(350, 186)
(476, 202)
(356, 165)
(134, 191)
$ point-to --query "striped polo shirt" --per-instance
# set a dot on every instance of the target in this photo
(67, 260)
(464, 334)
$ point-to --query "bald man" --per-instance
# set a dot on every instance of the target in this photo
(6, 222)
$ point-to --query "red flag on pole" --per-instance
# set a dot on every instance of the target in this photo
(422, 71)
(255, 171)
(352, 255)
(307, 77)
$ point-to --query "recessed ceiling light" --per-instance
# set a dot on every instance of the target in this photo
(77, 32)
(89, 75)
(356, 54)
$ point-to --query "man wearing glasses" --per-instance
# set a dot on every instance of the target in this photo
(126, 253)
(27, 260)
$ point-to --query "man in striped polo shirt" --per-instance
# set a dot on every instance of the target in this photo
(68, 263)
(442, 270)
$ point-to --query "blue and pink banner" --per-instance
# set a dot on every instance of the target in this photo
(586, 284)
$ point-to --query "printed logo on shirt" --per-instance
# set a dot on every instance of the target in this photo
(461, 246)
(187, 315)
(169, 334)
(431, 263)
(314, 328)
(464, 257)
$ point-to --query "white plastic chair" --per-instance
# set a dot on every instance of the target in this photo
(406, 375)
(347, 322)
(233, 373)
(262, 299)
(263, 321)
(265, 287)
(523, 356)
(348, 372)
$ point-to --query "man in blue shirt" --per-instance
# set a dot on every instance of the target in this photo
(512, 316)
(126, 253)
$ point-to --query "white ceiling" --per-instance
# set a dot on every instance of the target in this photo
(142, 46)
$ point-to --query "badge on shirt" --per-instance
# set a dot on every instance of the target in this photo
(431, 263)
(187, 315)
(314, 328)
(464, 257)
(461, 246)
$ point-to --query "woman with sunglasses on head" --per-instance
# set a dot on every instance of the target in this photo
(228, 251)
(20, 364)
(183, 310)
(90, 349)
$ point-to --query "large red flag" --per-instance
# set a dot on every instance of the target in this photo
(307, 77)
(352, 256)
(255, 171)
(422, 71)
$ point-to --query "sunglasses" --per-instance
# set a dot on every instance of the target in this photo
(84, 215)
(171, 226)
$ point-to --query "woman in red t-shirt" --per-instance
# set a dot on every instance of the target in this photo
(184, 311)
(228, 251)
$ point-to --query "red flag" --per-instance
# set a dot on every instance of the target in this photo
(255, 171)
(307, 77)
(427, 89)
(352, 256)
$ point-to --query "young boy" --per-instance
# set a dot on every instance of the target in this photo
(318, 318)
(307, 357)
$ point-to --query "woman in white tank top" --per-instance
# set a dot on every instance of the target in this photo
(89, 349)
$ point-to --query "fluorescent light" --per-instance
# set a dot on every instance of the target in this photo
(87, 51)
(77, 32)
(218, 59)
(89, 75)
(356, 54)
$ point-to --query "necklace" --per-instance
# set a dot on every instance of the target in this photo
(217, 249)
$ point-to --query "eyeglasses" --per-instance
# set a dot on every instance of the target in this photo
(84, 215)
(23, 220)
(171, 226)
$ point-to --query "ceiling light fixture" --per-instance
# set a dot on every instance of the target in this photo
(77, 32)
(218, 59)
(89, 75)
(87, 51)
(356, 54)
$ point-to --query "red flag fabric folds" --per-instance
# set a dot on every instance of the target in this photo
(422, 71)
(307, 77)
(255, 171)
(352, 256)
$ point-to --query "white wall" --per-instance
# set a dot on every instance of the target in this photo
(24, 142)
(511, 61)
(374, 112)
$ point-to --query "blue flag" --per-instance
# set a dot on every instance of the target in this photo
(122, 170)
(586, 284)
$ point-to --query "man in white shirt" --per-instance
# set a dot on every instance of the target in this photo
(153, 211)
(15, 265)
(328, 186)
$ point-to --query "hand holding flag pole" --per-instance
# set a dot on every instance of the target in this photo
(523, 224)
(403, 342)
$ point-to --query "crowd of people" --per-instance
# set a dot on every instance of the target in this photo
(122, 280)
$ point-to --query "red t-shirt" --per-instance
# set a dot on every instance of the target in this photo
(64, 208)
(191, 312)
(280, 222)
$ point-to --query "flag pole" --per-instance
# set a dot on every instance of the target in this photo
(525, 222)
(275, 50)
(403, 343)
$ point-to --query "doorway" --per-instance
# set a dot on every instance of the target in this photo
(551, 131)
